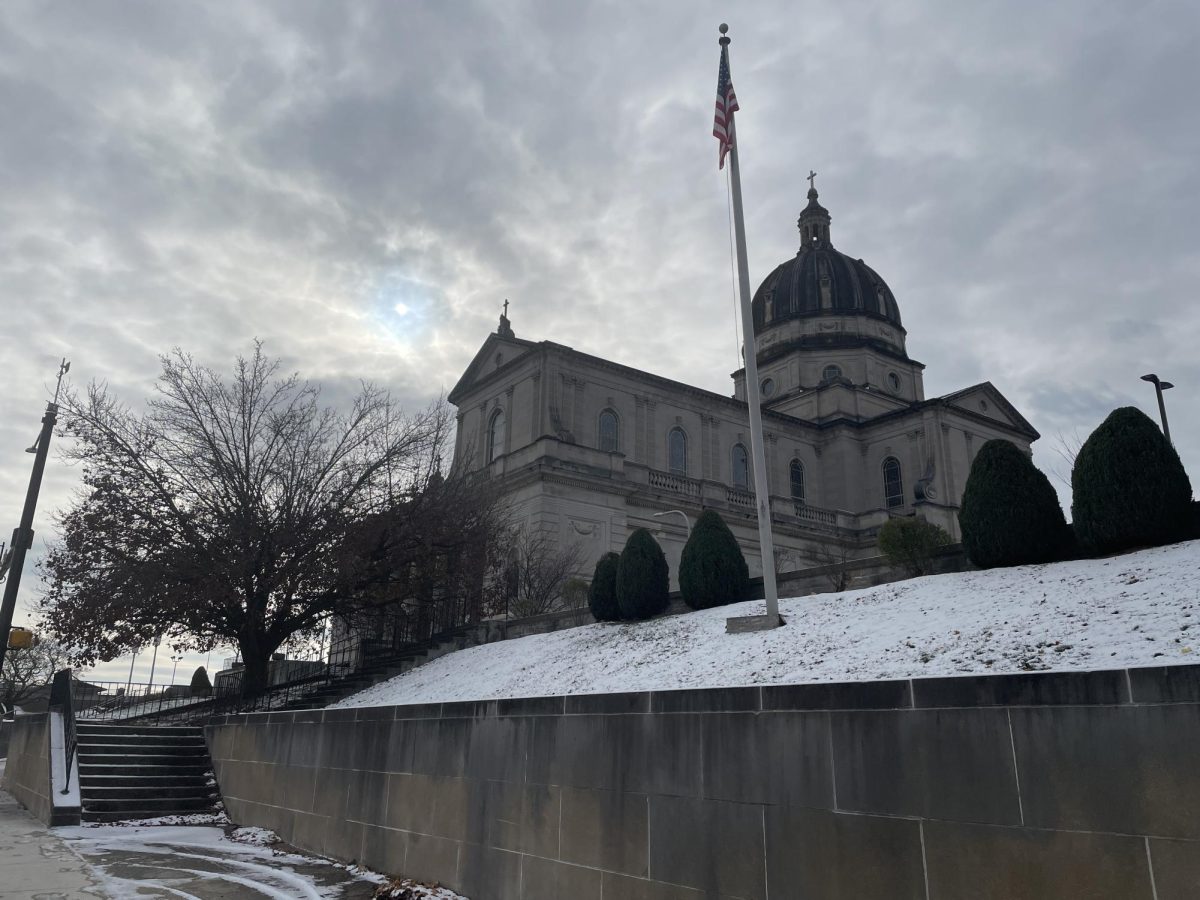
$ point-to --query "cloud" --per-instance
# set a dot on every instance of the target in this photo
(200, 175)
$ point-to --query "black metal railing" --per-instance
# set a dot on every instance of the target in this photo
(61, 699)
(363, 643)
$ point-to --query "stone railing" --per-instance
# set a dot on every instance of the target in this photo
(678, 484)
(738, 497)
(814, 514)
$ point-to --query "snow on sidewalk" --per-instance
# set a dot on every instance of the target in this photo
(1139, 609)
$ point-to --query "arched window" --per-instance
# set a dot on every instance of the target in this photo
(677, 451)
(608, 431)
(831, 372)
(893, 482)
(495, 443)
(797, 472)
(741, 467)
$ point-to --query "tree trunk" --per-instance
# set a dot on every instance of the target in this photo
(256, 658)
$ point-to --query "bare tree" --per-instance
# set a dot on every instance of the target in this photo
(27, 670)
(534, 570)
(1066, 446)
(244, 512)
(836, 559)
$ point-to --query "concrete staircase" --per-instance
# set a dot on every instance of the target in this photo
(143, 771)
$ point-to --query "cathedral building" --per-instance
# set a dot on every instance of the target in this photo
(588, 449)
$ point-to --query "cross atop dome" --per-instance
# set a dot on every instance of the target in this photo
(814, 220)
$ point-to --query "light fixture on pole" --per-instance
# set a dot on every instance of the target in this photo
(1159, 387)
(687, 523)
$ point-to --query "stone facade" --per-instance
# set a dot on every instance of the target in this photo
(588, 449)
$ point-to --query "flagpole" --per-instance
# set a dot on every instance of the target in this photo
(762, 496)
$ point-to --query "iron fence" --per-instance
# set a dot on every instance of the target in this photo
(365, 642)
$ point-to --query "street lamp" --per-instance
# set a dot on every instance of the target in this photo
(1159, 387)
(687, 523)
(175, 659)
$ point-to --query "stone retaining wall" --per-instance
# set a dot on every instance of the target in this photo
(27, 772)
(1018, 787)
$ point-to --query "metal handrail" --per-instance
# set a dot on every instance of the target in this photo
(60, 698)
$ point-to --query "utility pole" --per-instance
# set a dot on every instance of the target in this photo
(22, 539)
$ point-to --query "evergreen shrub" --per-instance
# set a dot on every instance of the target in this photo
(602, 595)
(1010, 514)
(201, 686)
(643, 580)
(712, 571)
(1128, 487)
(911, 543)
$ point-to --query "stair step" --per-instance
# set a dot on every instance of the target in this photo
(84, 727)
(145, 792)
(90, 779)
(136, 740)
(198, 770)
(141, 759)
(190, 804)
(123, 815)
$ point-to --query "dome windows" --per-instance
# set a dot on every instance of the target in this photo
(830, 372)
(893, 381)
(767, 387)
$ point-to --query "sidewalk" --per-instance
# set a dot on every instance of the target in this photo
(35, 864)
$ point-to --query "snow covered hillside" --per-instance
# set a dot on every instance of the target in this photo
(1134, 610)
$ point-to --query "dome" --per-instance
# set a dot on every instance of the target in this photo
(821, 281)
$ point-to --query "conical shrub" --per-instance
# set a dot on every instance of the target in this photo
(201, 686)
(602, 595)
(643, 580)
(1128, 486)
(1010, 514)
(712, 571)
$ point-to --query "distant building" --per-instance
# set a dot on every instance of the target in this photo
(588, 449)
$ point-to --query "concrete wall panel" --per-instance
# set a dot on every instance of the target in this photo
(1080, 785)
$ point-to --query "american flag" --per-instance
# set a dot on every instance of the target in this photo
(726, 104)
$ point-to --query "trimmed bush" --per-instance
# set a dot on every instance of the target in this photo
(1010, 514)
(201, 686)
(602, 595)
(1128, 487)
(643, 580)
(911, 543)
(712, 571)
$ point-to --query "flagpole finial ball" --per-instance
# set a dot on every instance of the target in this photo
(724, 29)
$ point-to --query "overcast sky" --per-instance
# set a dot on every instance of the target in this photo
(362, 185)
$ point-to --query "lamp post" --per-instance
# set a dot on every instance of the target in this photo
(687, 523)
(1159, 387)
(175, 659)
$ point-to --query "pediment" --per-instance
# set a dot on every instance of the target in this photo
(986, 401)
(497, 351)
